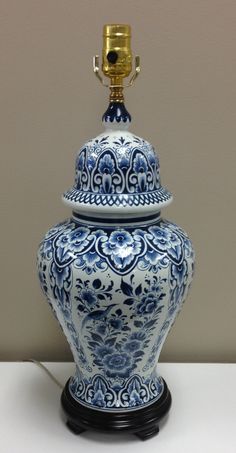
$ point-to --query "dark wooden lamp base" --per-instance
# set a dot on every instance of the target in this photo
(144, 423)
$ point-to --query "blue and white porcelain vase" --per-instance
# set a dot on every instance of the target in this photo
(116, 275)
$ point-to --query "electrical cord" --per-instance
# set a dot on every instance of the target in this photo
(46, 370)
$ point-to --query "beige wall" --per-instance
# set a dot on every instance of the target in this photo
(184, 102)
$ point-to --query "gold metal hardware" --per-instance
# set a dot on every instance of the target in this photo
(116, 60)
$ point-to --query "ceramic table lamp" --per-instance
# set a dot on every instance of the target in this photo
(116, 273)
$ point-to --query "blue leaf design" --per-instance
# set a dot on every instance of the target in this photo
(126, 288)
(93, 344)
(128, 301)
(96, 337)
(97, 283)
(138, 353)
(138, 290)
(150, 323)
(110, 341)
(138, 323)
(109, 288)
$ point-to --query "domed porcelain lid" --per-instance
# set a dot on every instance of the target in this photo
(117, 172)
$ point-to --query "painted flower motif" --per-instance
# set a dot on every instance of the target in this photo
(154, 261)
(118, 364)
(132, 345)
(167, 241)
(122, 248)
(108, 248)
(106, 165)
(90, 262)
(78, 239)
(120, 238)
(88, 296)
(153, 257)
(135, 248)
(140, 163)
(122, 256)
(116, 323)
(101, 328)
(140, 336)
(102, 351)
(148, 304)
(70, 242)
(63, 241)
(164, 238)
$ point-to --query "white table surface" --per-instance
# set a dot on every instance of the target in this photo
(202, 417)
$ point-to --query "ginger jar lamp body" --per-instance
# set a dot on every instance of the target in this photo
(116, 273)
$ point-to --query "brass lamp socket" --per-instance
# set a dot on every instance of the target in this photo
(116, 55)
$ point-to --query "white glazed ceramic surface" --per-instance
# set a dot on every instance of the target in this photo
(116, 274)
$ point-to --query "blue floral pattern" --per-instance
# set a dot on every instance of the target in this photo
(115, 175)
(135, 392)
(116, 292)
(127, 165)
(115, 170)
(92, 249)
(116, 286)
(118, 355)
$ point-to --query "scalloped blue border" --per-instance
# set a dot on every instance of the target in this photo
(158, 196)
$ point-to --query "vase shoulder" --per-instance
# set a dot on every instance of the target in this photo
(120, 247)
